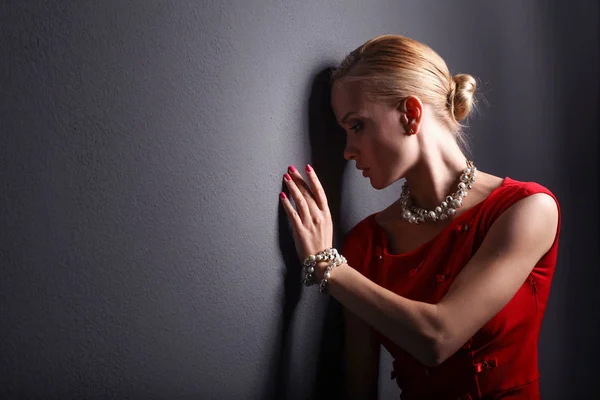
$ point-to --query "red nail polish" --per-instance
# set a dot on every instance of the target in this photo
(283, 196)
(292, 168)
(288, 177)
(308, 168)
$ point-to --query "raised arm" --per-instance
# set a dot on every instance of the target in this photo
(433, 332)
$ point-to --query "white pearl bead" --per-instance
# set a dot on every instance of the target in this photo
(327, 275)
(311, 270)
(416, 215)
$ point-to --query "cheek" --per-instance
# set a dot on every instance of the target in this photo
(389, 156)
(386, 150)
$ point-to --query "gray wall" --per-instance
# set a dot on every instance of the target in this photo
(143, 251)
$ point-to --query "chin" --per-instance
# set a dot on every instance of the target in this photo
(376, 185)
(379, 185)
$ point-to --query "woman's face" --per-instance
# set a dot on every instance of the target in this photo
(375, 136)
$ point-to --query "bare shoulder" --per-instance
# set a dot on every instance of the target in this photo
(540, 206)
(533, 221)
(540, 201)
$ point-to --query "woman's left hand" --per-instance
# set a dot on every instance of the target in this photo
(311, 223)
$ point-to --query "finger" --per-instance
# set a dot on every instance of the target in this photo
(317, 189)
(299, 200)
(305, 190)
(291, 212)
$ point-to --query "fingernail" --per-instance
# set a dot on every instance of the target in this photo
(283, 196)
(293, 169)
(288, 177)
(308, 168)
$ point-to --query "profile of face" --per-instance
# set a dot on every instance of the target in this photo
(376, 137)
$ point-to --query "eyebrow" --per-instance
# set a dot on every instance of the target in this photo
(346, 116)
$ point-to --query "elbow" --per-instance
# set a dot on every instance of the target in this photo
(435, 355)
(432, 356)
(433, 345)
(431, 352)
(438, 356)
(442, 347)
(437, 341)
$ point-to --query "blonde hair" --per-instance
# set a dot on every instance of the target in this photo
(394, 67)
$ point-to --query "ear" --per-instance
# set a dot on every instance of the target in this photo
(411, 113)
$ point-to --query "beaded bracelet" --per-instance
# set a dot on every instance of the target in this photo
(337, 261)
(329, 254)
(311, 261)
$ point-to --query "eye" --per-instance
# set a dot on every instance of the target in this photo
(356, 126)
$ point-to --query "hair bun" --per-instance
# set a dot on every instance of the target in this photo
(461, 97)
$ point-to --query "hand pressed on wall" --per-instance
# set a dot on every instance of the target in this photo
(311, 220)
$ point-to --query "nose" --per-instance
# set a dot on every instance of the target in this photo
(349, 151)
(349, 155)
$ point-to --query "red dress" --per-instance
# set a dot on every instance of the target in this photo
(501, 359)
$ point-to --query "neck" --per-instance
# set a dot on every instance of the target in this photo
(437, 172)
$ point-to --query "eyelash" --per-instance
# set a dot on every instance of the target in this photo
(358, 124)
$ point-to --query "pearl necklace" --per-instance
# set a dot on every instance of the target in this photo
(416, 215)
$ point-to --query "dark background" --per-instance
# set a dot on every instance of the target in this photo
(143, 253)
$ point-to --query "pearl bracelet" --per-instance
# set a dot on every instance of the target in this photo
(337, 261)
(329, 254)
(311, 261)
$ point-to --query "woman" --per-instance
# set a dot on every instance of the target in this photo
(454, 276)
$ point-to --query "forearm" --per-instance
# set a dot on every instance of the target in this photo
(412, 325)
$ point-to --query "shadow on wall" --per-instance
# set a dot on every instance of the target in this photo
(327, 141)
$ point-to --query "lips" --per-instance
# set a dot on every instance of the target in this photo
(361, 168)
(364, 170)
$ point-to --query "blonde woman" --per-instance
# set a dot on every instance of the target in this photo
(454, 276)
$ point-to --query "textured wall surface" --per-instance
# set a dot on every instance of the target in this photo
(143, 253)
